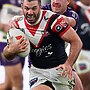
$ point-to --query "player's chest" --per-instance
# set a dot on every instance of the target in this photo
(37, 35)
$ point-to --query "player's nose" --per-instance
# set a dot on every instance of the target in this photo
(30, 11)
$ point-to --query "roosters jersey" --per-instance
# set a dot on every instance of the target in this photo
(69, 13)
(47, 48)
(9, 8)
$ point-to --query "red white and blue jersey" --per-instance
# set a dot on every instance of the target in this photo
(47, 46)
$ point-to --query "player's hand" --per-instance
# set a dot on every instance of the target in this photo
(12, 22)
(71, 21)
(11, 50)
(20, 46)
(67, 70)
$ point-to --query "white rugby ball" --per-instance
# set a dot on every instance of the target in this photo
(17, 34)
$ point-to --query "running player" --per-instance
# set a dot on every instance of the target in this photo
(47, 32)
(60, 7)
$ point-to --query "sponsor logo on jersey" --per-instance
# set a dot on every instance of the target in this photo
(33, 81)
(58, 27)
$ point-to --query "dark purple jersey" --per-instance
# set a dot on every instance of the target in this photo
(69, 12)
(84, 25)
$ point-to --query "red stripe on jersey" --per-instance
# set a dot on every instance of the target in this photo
(17, 24)
(45, 34)
(64, 30)
(60, 26)
(57, 23)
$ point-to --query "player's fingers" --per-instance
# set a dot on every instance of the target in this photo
(20, 40)
(64, 72)
(15, 25)
(69, 73)
(11, 40)
(23, 48)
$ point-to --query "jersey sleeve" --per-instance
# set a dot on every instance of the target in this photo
(74, 15)
(60, 26)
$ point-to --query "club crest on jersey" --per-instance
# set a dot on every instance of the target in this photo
(58, 27)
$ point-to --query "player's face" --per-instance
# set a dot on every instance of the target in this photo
(31, 10)
(59, 6)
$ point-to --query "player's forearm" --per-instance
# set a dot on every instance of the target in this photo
(75, 49)
(6, 54)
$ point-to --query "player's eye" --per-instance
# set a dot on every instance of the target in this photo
(26, 8)
(34, 8)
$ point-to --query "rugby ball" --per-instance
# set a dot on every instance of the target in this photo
(17, 34)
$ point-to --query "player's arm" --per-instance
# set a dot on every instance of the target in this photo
(71, 21)
(71, 37)
(75, 45)
(68, 34)
(11, 50)
(12, 22)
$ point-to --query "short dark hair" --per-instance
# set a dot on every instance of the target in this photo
(32, 0)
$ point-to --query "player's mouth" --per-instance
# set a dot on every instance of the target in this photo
(30, 18)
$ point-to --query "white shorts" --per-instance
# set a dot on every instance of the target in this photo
(39, 76)
(82, 64)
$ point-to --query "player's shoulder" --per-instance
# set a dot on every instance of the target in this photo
(71, 13)
(48, 13)
(51, 15)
